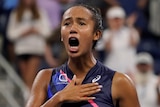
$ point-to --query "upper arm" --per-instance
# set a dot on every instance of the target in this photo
(124, 92)
(39, 89)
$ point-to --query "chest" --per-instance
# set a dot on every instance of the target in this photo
(103, 98)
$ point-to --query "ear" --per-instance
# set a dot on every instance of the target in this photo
(97, 35)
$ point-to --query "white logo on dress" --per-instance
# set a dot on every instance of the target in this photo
(98, 77)
(62, 78)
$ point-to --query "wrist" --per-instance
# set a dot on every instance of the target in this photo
(60, 97)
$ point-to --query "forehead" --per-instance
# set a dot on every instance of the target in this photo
(77, 11)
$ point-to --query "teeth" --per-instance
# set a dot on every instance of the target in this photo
(73, 41)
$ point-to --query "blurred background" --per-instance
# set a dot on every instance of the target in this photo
(30, 41)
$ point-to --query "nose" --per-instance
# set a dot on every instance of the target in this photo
(73, 32)
(73, 29)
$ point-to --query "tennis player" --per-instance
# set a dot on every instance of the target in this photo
(82, 81)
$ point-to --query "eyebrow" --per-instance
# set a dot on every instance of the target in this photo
(77, 18)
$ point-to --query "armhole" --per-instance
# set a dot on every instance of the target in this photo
(49, 87)
(53, 72)
(113, 74)
(115, 103)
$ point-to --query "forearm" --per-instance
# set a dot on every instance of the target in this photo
(16, 29)
(15, 33)
(55, 101)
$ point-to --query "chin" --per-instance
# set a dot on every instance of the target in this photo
(77, 55)
(74, 55)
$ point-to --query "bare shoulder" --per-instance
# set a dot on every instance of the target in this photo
(122, 82)
(45, 72)
(43, 76)
(124, 91)
(38, 92)
(122, 79)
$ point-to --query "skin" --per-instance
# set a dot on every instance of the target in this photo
(28, 68)
(77, 22)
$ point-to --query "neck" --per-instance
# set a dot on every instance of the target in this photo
(81, 65)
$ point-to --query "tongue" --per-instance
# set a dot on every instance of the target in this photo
(73, 41)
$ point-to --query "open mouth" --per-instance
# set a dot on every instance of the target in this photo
(73, 41)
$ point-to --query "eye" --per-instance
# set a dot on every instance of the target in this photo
(66, 23)
(82, 23)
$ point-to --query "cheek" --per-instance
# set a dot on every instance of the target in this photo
(87, 38)
(63, 34)
(87, 31)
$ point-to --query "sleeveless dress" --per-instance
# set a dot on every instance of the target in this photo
(62, 75)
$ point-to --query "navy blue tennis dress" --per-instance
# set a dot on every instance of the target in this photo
(98, 73)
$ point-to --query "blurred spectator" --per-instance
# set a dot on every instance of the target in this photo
(28, 27)
(154, 22)
(119, 41)
(147, 84)
(55, 51)
(54, 10)
(135, 11)
(150, 39)
(6, 6)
